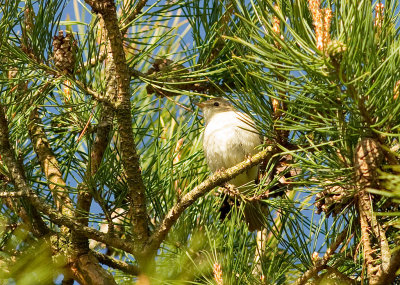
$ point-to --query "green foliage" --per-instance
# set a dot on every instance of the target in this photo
(24, 259)
(331, 99)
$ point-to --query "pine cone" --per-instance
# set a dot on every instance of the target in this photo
(333, 199)
(64, 51)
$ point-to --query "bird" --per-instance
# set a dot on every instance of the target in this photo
(230, 136)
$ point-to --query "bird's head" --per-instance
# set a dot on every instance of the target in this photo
(214, 106)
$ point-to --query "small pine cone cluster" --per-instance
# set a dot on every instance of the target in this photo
(368, 157)
(64, 51)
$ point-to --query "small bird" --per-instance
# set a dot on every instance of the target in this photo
(229, 137)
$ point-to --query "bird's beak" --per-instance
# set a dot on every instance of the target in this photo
(200, 105)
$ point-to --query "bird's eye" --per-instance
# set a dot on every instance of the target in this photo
(216, 104)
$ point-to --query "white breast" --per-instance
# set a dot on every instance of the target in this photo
(228, 138)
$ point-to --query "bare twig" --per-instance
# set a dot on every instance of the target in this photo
(132, 15)
(321, 263)
(13, 194)
(117, 264)
(179, 104)
(96, 96)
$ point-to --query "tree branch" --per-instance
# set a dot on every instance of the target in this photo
(321, 263)
(367, 159)
(132, 16)
(117, 264)
(12, 194)
(119, 79)
(19, 182)
(84, 199)
(364, 209)
(188, 199)
(49, 164)
(388, 276)
(87, 271)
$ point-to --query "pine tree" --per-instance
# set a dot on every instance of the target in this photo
(102, 169)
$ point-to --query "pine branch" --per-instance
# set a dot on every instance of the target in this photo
(20, 183)
(132, 15)
(367, 159)
(130, 159)
(388, 276)
(49, 164)
(13, 194)
(321, 263)
(188, 199)
(87, 270)
(117, 264)
(84, 199)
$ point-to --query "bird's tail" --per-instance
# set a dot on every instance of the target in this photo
(255, 215)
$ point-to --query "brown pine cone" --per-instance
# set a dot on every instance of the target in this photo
(64, 51)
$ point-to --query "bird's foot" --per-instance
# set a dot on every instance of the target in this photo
(248, 157)
(220, 170)
(231, 190)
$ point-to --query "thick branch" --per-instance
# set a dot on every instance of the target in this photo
(87, 271)
(49, 164)
(135, 183)
(369, 222)
(216, 179)
(364, 212)
(367, 159)
(120, 76)
(12, 194)
(388, 276)
(84, 199)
